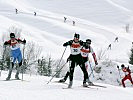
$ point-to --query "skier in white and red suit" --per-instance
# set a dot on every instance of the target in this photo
(127, 72)
(14, 44)
(85, 50)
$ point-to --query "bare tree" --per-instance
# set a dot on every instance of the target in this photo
(32, 53)
(101, 54)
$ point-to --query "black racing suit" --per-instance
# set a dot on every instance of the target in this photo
(76, 58)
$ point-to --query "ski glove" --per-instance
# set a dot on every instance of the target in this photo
(96, 63)
(6, 43)
(24, 41)
(68, 59)
(65, 44)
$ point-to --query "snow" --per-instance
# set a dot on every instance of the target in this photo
(99, 20)
(36, 88)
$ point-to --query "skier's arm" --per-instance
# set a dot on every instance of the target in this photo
(94, 55)
(20, 41)
(81, 42)
(68, 43)
(7, 42)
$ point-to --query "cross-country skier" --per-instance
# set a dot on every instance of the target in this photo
(127, 72)
(15, 53)
(76, 59)
(85, 50)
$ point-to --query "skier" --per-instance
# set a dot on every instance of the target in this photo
(73, 23)
(16, 10)
(109, 47)
(34, 13)
(116, 39)
(65, 19)
(15, 54)
(76, 58)
(127, 72)
(85, 50)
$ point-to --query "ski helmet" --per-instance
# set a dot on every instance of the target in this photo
(122, 65)
(88, 41)
(76, 35)
(12, 35)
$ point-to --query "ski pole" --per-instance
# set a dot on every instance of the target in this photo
(91, 69)
(56, 73)
(23, 61)
(58, 64)
(62, 56)
(119, 72)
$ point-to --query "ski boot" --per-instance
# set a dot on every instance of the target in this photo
(85, 85)
(17, 78)
(8, 78)
(70, 84)
(62, 81)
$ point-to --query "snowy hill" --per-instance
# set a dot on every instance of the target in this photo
(36, 88)
(100, 20)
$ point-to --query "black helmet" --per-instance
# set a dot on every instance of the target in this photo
(88, 41)
(122, 65)
(76, 35)
(12, 35)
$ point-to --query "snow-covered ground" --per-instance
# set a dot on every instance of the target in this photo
(100, 20)
(36, 88)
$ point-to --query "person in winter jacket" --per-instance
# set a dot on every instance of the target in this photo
(15, 53)
(76, 59)
(127, 72)
(85, 50)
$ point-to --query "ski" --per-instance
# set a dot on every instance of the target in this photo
(80, 87)
(16, 80)
(98, 86)
(60, 82)
(66, 88)
(89, 87)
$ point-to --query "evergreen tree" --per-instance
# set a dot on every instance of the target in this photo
(42, 70)
(131, 57)
(49, 69)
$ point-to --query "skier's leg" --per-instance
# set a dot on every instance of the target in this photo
(65, 77)
(130, 78)
(20, 63)
(71, 74)
(125, 78)
(86, 78)
(13, 59)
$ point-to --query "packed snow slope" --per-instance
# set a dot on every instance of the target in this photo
(99, 20)
(36, 88)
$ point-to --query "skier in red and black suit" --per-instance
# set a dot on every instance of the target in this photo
(127, 72)
(76, 58)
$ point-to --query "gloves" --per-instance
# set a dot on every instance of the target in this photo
(68, 59)
(96, 63)
(24, 41)
(6, 43)
(65, 44)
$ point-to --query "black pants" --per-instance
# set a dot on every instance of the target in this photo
(77, 60)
